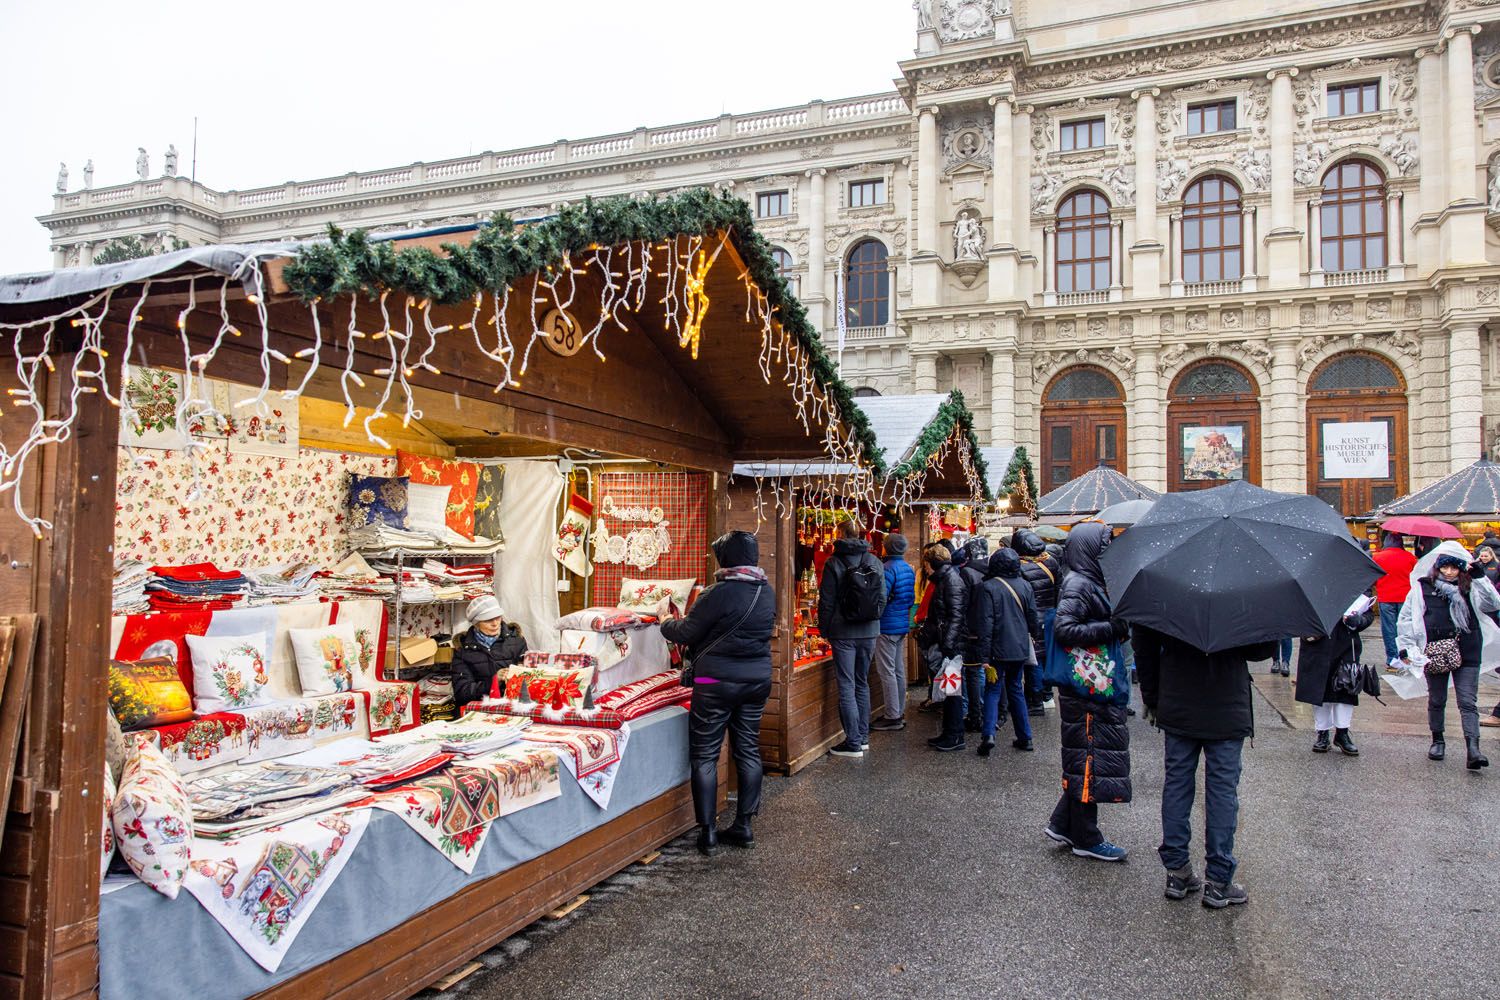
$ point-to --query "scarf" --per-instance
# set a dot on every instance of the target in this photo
(486, 641)
(1458, 608)
(744, 574)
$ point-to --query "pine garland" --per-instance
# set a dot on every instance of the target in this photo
(952, 413)
(1020, 479)
(499, 256)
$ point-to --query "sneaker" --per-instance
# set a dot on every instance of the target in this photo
(1275, 667)
(1050, 702)
(1102, 851)
(1053, 835)
(1217, 895)
(949, 747)
(1182, 883)
(865, 747)
(1020, 744)
(886, 725)
(1490, 720)
(847, 749)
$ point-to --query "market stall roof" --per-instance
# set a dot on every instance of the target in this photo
(714, 359)
(997, 463)
(1470, 492)
(922, 432)
(1092, 492)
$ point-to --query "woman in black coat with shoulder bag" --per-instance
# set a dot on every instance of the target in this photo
(728, 638)
(1318, 667)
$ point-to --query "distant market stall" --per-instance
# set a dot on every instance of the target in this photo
(927, 451)
(1090, 493)
(1469, 499)
(283, 442)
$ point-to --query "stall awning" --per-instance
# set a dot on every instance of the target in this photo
(1091, 493)
(997, 464)
(1472, 492)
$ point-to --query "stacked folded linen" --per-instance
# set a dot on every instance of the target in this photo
(198, 587)
(130, 587)
(282, 583)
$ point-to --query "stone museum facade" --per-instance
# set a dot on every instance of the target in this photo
(1193, 240)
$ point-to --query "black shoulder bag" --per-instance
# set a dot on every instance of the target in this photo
(689, 675)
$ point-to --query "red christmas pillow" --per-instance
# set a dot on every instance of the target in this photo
(463, 477)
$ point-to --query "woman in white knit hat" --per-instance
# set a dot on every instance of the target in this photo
(490, 645)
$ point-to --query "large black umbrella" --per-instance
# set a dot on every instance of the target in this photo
(1237, 564)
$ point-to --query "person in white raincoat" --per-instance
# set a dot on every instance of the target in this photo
(1445, 629)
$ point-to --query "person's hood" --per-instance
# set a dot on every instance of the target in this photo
(1424, 565)
(1055, 551)
(894, 546)
(1027, 543)
(851, 547)
(736, 548)
(978, 548)
(947, 543)
(1085, 544)
(960, 558)
(1005, 562)
(1391, 541)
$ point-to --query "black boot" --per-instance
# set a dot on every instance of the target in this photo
(708, 841)
(738, 835)
(1346, 743)
(985, 746)
(1439, 749)
(1320, 745)
(1476, 758)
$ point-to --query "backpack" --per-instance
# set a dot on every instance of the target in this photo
(862, 592)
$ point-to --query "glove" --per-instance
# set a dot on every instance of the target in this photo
(1476, 569)
(1148, 713)
(1122, 628)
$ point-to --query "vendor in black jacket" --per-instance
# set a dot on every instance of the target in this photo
(490, 645)
(728, 638)
(1202, 702)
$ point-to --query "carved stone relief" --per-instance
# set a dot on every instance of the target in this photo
(969, 139)
(1257, 170)
(1378, 309)
(1307, 161)
(964, 20)
(1120, 179)
(1341, 312)
(1402, 151)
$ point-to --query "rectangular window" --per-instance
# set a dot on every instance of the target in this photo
(773, 203)
(863, 194)
(1353, 98)
(1086, 133)
(1214, 116)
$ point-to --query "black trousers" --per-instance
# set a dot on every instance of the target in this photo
(736, 706)
(1078, 821)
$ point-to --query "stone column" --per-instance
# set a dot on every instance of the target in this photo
(1315, 242)
(1049, 250)
(1174, 255)
(1021, 175)
(1431, 191)
(1395, 224)
(924, 371)
(1147, 430)
(1145, 164)
(85, 254)
(890, 299)
(1283, 453)
(1247, 253)
(927, 176)
(1462, 233)
(1465, 396)
(1003, 390)
(816, 293)
(1116, 260)
(1003, 190)
(1284, 237)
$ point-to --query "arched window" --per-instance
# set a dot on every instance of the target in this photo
(783, 262)
(1083, 424)
(1213, 378)
(1356, 393)
(1211, 239)
(1353, 217)
(865, 392)
(1083, 243)
(1083, 384)
(1359, 372)
(867, 285)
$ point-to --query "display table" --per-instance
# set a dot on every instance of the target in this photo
(396, 891)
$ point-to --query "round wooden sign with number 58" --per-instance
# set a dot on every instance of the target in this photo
(562, 334)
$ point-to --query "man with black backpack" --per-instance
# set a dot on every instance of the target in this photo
(851, 599)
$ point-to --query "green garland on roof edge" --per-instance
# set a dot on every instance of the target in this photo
(953, 412)
(1020, 465)
(352, 264)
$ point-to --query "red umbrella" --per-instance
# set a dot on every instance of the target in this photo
(1426, 527)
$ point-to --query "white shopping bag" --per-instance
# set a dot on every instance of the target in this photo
(950, 679)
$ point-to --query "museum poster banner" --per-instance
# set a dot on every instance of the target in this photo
(1356, 450)
(1213, 454)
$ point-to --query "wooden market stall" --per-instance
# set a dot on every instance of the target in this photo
(927, 451)
(635, 330)
(1469, 499)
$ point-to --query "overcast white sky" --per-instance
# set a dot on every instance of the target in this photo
(290, 91)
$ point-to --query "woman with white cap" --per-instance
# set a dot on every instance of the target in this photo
(490, 645)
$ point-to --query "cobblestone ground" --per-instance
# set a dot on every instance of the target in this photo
(917, 874)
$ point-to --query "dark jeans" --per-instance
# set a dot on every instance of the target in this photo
(1284, 652)
(737, 707)
(1036, 692)
(1221, 803)
(1012, 683)
(1466, 683)
(851, 660)
(973, 691)
(1388, 615)
(1078, 821)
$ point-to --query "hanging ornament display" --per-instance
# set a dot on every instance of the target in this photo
(572, 535)
(640, 547)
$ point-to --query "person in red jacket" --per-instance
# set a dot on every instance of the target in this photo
(1391, 589)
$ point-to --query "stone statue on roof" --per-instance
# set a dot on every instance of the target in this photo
(62, 178)
(88, 174)
(171, 161)
(142, 163)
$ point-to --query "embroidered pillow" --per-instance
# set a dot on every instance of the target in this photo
(378, 500)
(487, 502)
(426, 507)
(229, 672)
(555, 689)
(146, 693)
(463, 477)
(152, 820)
(327, 658)
(646, 595)
(107, 841)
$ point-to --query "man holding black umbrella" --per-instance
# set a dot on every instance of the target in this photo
(1210, 580)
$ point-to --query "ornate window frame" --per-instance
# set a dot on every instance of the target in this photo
(1239, 91)
(1052, 119)
(1383, 71)
(774, 185)
(867, 172)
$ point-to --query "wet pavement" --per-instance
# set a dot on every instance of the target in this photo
(917, 874)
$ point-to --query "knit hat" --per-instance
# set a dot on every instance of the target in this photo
(1450, 560)
(482, 609)
(895, 545)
